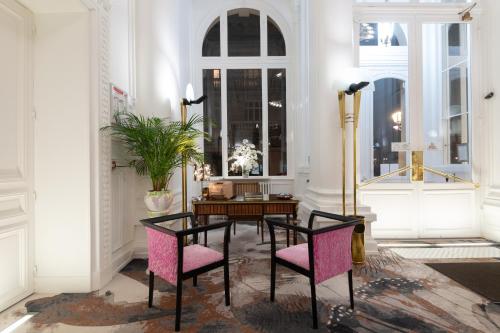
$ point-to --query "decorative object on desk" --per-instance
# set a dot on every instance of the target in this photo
(245, 157)
(202, 173)
(222, 190)
(157, 148)
(285, 196)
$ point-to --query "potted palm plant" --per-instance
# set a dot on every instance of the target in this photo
(157, 149)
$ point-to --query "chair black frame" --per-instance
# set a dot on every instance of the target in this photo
(310, 232)
(181, 276)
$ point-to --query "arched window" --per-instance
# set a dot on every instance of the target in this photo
(245, 81)
(211, 43)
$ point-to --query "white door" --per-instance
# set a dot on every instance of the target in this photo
(16, 154)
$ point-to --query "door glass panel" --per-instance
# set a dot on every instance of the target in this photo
(213, 120)
(243, 33)
(384, 123)
(447, 100)
(244, 115)
(277, 122)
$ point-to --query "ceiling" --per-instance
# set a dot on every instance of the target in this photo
(54, 6)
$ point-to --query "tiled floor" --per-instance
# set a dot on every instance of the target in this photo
(391, 295)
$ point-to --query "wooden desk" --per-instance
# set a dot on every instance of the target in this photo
(240, 209)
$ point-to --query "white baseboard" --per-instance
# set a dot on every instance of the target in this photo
(62, 284)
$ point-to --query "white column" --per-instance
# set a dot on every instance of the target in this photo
(490, 136)
(330, 56)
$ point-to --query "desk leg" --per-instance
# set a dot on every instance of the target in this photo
(261, 228)
(287, 231)
(295, 231)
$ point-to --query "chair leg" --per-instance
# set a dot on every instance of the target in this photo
(195, 281)
(313, 302)
(273, 279)
(151, 288)
(234, 228)
(258, 226)
(227, 293)
(351, 293)
(178, 306)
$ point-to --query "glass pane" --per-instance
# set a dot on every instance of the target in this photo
(211, 43)
(212, 120)
(447, 100)
(389, 126)
(244, 119)
(243, 33)
(275, 41)
(385, 112)
(277, 122)
(383, 34)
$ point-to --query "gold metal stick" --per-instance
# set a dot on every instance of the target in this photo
(383, 177)
(455, 178)
(343, 127)
(357, 107)
(184, 174)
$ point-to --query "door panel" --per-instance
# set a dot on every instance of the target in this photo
(16, 154)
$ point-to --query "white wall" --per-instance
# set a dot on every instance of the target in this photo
(62, 153)
(490, 176)
(163, 71)
(122, 45)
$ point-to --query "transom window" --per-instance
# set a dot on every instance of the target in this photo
(244, 72)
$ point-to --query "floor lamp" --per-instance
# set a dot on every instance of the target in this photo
(357, 245)
(185, 102)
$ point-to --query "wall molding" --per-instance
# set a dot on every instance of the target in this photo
(100, 145)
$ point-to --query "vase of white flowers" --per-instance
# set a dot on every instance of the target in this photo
(245, 158)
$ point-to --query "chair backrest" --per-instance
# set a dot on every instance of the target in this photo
(332, 253)
(162, 255)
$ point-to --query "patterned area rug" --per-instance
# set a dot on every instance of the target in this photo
(391, 295)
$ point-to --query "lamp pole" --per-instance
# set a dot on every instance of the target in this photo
(185, 102)
(184, 171)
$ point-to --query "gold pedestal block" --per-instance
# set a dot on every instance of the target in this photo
(358, 243)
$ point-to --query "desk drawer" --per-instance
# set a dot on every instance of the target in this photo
(279, 209)
(244, 210)
(215, 209)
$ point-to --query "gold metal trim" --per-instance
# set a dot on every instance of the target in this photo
(184, 174)
(417, 162)
(342, 114)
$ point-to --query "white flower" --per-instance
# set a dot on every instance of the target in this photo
(245, 156)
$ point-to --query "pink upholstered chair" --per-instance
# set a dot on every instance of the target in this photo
(326, 254)
(169, 259)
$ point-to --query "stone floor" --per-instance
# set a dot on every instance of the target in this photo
(391, 294)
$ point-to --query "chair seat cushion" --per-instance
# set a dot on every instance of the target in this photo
(196, 256)
(298, 255)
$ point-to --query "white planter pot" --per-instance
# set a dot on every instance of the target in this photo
(158, 202)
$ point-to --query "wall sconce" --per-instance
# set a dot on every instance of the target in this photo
(466, 13)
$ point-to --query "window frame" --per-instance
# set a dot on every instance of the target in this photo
(416, 15)
(263, 62)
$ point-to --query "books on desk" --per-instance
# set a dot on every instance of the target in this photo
(253, 196)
